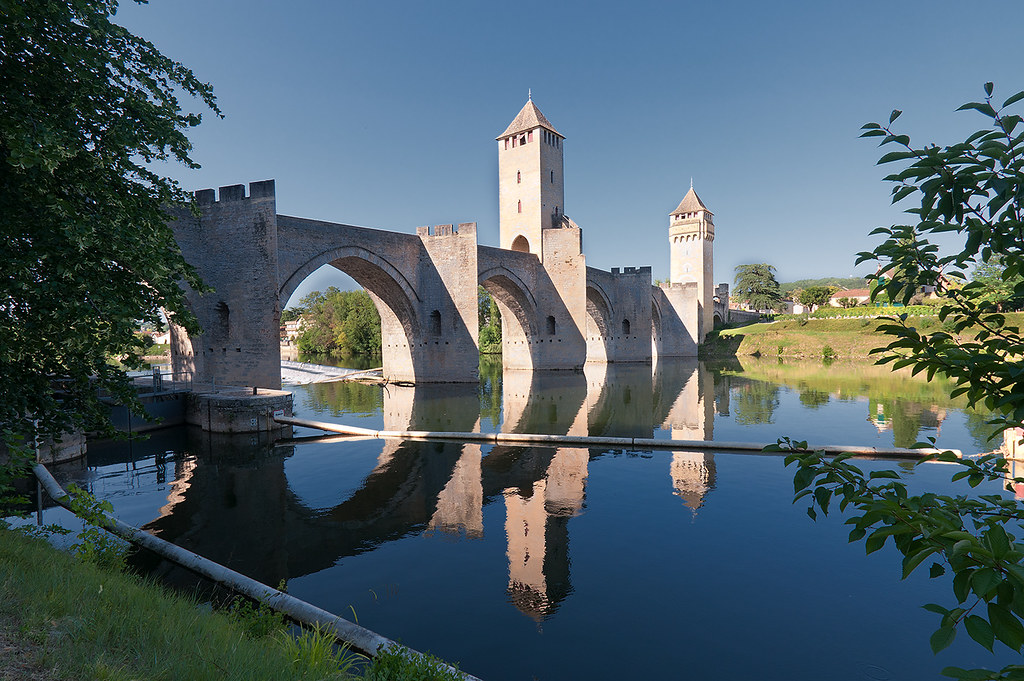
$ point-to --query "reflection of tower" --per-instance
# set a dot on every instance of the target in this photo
(692, 415)
(693, 476)
(460, 505)
(531, 197)
(691, 233)
(538, 538)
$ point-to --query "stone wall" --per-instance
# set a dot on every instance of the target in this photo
(233, 246)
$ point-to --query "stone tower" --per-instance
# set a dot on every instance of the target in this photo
(531, 194)
(691, 234)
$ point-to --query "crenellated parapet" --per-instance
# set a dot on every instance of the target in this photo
(263, 189)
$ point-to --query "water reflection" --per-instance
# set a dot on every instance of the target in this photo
(299, 509)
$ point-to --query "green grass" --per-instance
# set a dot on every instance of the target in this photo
(85, 622)
(851, 338)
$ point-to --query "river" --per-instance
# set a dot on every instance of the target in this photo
(561, 563)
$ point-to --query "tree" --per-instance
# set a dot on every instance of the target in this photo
(489, 337)
(998, 290)
(975, 189)
(85, 109)
(757, 287)
(342, 323)
(813, 296)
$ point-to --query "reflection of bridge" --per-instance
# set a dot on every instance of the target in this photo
(557, 313)
(238, 509)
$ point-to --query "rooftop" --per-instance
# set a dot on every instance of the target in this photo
(691, 203)
(528, 118)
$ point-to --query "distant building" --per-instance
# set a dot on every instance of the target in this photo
(861, 295)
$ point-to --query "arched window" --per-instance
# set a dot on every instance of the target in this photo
(551, 325)
(521, 244)
(435, 322)
(520, 206)
(625, 327)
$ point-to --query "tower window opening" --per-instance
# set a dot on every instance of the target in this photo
(625, 327)
(552, 177)
(529, 136)
(551, 325)
(519, 177)
(435, 323)
(520, 206)
(522, 139)
(506, 143)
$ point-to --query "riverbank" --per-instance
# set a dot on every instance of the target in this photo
(69, 619)
(852, 338)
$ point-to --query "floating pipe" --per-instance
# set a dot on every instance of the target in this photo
(587, 441)
(360, 638)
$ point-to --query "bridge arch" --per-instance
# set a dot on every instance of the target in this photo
(599, 328)
(655, 327)
(395, 299)
(518, 309)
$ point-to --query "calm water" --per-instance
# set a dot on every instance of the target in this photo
(561, 563)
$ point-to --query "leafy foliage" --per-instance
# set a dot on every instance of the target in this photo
(998, 290)
(339, 323)
(85, 108)
(490, 323)
(974, 189)
(396, 664)
(815, 296)
(756, 286)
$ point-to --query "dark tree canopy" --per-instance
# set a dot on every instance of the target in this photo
(756, 285)
(85, 109)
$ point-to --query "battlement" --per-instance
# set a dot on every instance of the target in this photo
(646, 269)
(464, 228)
(236, 192)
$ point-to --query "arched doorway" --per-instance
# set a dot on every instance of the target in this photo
(521, 244)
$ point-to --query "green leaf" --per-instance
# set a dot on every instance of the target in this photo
(894, 115)
(985, 581)
(941, 639)
(1005, 625)
(998, 541)
(979, 629)
(911, 561)
(1014, 99)
(936, 570)
(962, 585)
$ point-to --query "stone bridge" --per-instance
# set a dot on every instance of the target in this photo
(556, 314)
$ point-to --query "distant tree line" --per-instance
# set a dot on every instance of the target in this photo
(346, 323)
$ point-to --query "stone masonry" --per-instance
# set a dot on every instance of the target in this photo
(557, 313)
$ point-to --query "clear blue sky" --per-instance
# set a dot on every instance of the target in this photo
(384, 114)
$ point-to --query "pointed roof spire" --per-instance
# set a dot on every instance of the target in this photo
(529, 117)
(529, 94)
(691, 203)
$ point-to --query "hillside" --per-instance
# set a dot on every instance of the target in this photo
(842, 282)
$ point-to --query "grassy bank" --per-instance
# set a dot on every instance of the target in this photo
(809, 338)
(76, 620)
(65, 618)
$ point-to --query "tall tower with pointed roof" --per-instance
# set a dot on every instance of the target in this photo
(691, 234)
(531, 193)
